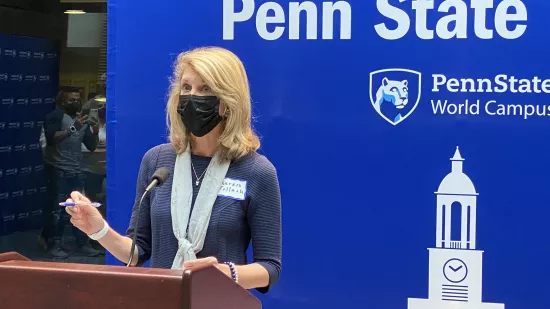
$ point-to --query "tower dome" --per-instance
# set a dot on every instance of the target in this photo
(456, 182)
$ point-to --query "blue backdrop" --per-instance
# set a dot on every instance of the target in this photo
(360, 112)
(28, 85)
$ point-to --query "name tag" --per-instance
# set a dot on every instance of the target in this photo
(233, 188)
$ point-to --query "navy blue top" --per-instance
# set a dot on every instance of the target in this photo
(233, 224)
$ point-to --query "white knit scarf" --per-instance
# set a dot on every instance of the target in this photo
(182, 196)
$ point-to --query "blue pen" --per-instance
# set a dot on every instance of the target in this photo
(66, 204)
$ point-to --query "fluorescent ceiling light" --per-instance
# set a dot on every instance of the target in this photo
(75, 12)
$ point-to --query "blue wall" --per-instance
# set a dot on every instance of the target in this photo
(29, 69)
(359, 208)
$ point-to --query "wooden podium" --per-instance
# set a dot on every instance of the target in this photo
(25, 284)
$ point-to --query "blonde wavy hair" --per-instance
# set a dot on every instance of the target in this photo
(224, 73)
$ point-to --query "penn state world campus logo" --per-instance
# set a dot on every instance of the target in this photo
(395, 93)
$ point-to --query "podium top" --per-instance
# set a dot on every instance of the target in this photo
(48, 285)
(92, 269)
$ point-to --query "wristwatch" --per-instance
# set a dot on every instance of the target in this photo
(72, 129)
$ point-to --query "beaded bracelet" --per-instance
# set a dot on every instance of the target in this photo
(233, 270)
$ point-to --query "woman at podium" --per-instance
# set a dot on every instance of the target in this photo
(220, 194)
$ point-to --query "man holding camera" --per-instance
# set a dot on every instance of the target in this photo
(65, 129)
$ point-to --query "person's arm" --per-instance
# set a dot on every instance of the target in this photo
(52, 128)
(264, 218)
(119, 245)
(90, 139)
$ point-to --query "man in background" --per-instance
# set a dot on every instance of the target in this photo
(65, 130)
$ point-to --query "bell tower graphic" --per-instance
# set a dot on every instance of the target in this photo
(455, 265)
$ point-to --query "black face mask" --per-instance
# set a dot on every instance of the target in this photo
(101, 113)
(200, 114)
(72, 107)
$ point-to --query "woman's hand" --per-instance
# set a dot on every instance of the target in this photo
(201, 263)
(206, 262)
(84, 216)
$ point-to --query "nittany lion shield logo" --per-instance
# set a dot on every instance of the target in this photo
(395, 93)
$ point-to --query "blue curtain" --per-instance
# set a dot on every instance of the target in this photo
(29, 77)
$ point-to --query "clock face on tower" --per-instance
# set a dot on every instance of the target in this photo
(455, 270)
